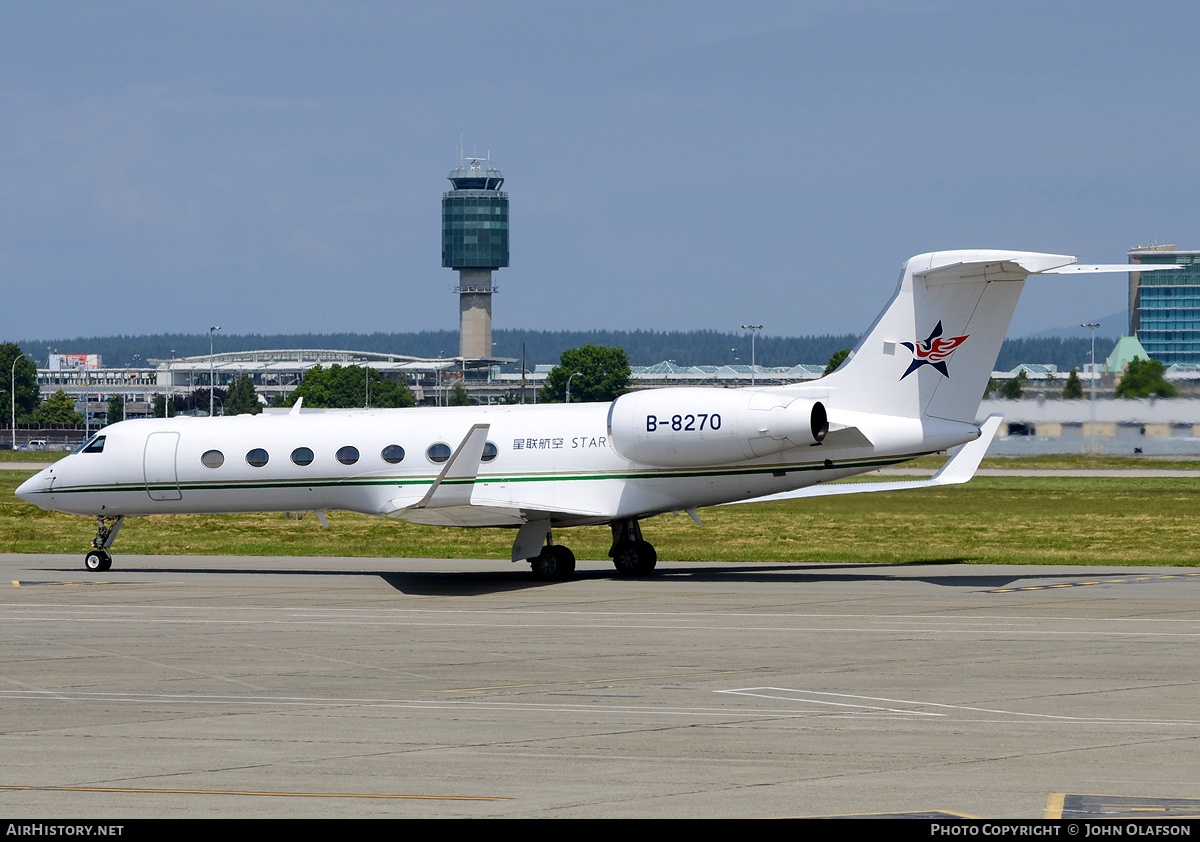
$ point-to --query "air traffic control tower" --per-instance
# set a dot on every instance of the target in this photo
(475, 242)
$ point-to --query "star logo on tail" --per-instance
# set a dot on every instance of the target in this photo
(933, 351)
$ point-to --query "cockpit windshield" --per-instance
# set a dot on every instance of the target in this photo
(93, 445)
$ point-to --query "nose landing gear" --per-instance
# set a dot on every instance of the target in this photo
(98, 558)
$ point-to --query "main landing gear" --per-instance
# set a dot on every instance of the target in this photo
(631, 555)
(98, 558)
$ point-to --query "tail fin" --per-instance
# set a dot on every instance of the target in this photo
(931, 352)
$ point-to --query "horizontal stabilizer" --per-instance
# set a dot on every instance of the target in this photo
(971, 271)
(1099, 268)
(958, 469)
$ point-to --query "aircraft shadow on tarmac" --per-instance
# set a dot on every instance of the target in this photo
(484, 582)
(427, 583)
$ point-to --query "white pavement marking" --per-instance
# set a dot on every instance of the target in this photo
(778, 693)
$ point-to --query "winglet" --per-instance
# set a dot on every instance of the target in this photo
(455, 483)
(295, 410)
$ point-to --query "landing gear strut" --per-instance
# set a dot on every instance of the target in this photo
(98, 558)
(631, 555)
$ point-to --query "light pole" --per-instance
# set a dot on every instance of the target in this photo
(753, 332)
(213, 329)
(13, 392)
(576, 374)
(525, 371)
(1092, 403)
(124, 403)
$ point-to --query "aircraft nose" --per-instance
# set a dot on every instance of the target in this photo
(25, 489)
(28, 490)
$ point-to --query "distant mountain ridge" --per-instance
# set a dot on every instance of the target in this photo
(1116, 324)
(702, 347)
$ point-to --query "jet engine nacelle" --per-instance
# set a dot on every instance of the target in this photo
(676, 428)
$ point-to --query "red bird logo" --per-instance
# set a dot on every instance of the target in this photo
(933, 351)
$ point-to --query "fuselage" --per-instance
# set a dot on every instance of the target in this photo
(556, 461)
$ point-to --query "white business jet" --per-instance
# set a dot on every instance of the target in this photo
(912, 387)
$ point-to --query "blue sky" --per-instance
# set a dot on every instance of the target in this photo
(278, 167)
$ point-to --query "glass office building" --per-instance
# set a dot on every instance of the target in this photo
(1164, 307)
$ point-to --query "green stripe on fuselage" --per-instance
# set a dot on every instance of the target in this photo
(351, 482)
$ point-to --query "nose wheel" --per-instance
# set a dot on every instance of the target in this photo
(97, 561)
(98, 558)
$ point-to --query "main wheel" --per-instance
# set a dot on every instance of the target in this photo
(555, 562)
(634, 558)
(97, 561)
(566, 562)
(648, 556)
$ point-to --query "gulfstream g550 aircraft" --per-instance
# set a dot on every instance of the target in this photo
(912, 387)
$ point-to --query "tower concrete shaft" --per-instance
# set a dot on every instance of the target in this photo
(475, 313)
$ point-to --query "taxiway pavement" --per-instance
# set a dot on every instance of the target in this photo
(205, 686)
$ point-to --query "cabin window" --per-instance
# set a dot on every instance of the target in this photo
(347, 455)
(392, 454)
(438, 452)
(212, 459)
(302, 456)
(257, 457)
(490, 451)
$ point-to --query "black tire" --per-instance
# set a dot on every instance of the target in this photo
(647, 557)
(544, 565)
(630, 558)
(553, 564)
(566, 562)
(97, 561)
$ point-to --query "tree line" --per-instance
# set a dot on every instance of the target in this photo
(603, 373)
(643, 347)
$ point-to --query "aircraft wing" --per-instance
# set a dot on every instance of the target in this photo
(491, 514)
(448, 502)
(958, 469)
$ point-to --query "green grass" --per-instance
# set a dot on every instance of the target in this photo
(1073, 461)
(993, 520)
(31, 455)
